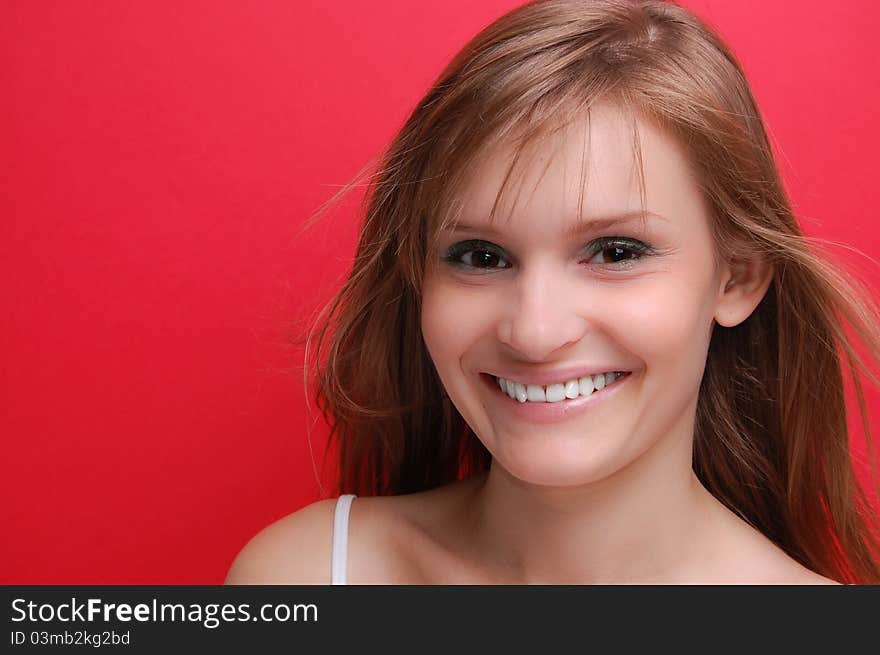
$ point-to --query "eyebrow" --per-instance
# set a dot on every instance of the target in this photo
(578, 228)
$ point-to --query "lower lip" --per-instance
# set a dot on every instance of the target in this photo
(537, 412)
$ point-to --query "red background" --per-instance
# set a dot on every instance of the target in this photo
(157, 157)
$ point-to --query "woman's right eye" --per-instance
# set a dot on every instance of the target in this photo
(475, 255)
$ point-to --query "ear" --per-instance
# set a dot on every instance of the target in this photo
(743, 284)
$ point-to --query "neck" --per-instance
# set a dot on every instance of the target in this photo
(645, 523)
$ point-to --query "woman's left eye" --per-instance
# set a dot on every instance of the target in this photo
(483, 256)
(621, 251)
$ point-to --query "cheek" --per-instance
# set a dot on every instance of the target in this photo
(446, 323)
(668, 327)
(457, 323)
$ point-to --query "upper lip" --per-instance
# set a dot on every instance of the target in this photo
(553, 376)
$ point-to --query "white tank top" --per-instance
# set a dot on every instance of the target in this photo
(339, 556)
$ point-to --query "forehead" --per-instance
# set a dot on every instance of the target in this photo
(588, 170)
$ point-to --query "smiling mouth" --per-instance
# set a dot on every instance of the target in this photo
(555, 393)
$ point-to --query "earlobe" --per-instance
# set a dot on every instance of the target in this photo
(745, 284)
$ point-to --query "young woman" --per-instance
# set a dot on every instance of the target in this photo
(584, 339)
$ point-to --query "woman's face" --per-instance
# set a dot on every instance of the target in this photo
(527, 300)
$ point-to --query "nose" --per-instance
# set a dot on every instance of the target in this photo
(543, 316)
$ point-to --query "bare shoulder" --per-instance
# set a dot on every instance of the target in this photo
(775, 567)
(814, 578)
(787, 571)
(755, 559)
(410, 538)
(391, 540)
(741, 554)
(295, 549)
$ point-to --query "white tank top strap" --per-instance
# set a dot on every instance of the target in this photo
(339, 556)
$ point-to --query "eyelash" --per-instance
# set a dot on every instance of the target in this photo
(454, 253)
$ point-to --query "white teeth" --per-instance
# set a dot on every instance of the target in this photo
(555, 393)
(586, 385)
(536, 393)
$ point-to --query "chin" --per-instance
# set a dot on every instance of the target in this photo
(554, 467)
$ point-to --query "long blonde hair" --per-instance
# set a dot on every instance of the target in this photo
(771, 439)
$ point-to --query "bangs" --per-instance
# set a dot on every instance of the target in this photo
(538, 134)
